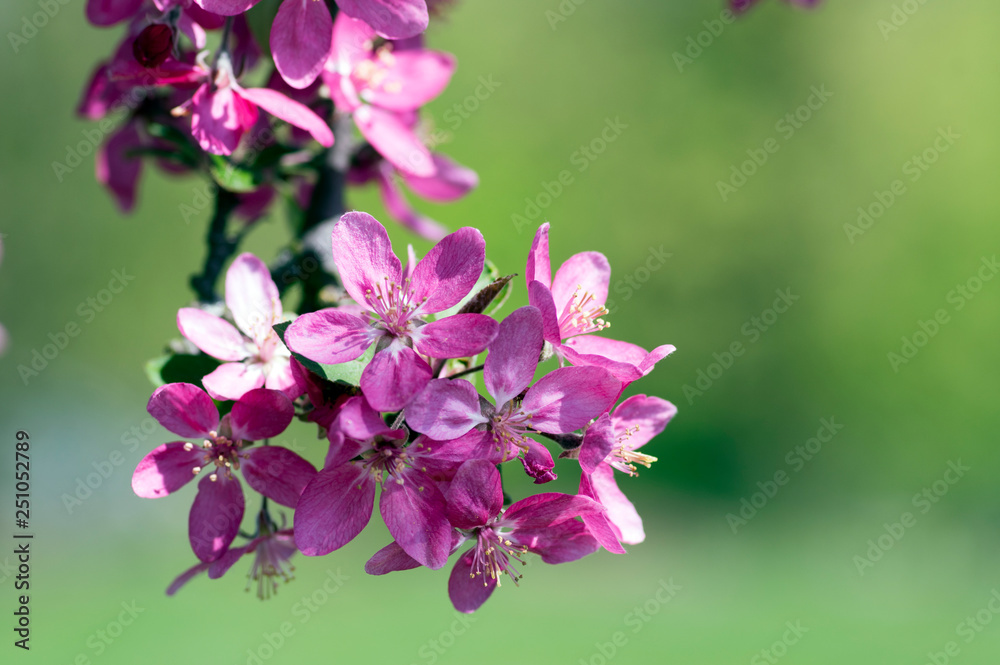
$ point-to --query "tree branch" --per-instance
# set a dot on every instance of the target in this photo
(220, 246)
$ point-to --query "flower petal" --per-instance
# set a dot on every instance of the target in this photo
(456, 336)
(219, 119)
(539, 268)
(359, 421)
(184, 409)
(606, 533)
(231, 381)
(109, 12)
(353, 41)
(390, 558)
(445, 409)
(542, 510)
(449, 271)
(626, 361)
(539, 296)
(598, 441)
(289, 110)
(621, 513)
(467, 590)
(475, 495)
(261, 414)
(393, 377)
(226, 7)
(647, 415)
(300, 41)
(118, 168)
(587, 272)
(394, 140)
(165, 470)
(567, 398)
(413, 79)
(415, 514)
(559, 543)
(277, 473)
(329, 336)
(450, 182)
(335, 507)
(364, 256)
(215, 516)
(514, 353)
(392, 19)
(212, 334)
(252, 297)
(186, 577)
(280, 377)
(342, 450)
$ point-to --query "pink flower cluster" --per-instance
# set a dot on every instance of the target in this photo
(185, 104)
(416, 431)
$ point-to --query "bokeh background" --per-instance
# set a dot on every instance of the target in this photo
(653, 189)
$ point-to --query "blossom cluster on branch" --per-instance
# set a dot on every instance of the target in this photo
(192, 109)
(411, 423)
(425, 396)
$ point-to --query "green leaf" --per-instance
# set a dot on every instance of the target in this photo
(180, 368)
(349, 372)
(232, 177)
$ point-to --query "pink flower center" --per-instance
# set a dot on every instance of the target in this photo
(271, 561)
(372, 72)
(494, 555)
(624, 458)
(387, 461)
(510, 425)
(394, 306)
(221, 451)
(582, 315)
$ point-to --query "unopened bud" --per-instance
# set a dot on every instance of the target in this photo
(153, 45)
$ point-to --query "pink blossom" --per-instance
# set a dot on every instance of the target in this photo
(118, 167)
(397, 308)
(272, 551)
(543, 524)
(392, 19)
(252, 353)
(573, 306)
(560, 402)
(612, 442)
(365, 453)
(382, 86)
(222, 111)
(275, 472)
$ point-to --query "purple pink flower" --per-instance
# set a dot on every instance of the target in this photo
(225, 447)
(397, 308)
(252, 352)
(611, 443)
(365, 453)
(572, 304)
(562, 401)
(382, 87)
(543, 524)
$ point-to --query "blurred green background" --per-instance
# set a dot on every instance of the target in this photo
(654, 188)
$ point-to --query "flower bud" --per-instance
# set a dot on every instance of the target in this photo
(153, 45)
